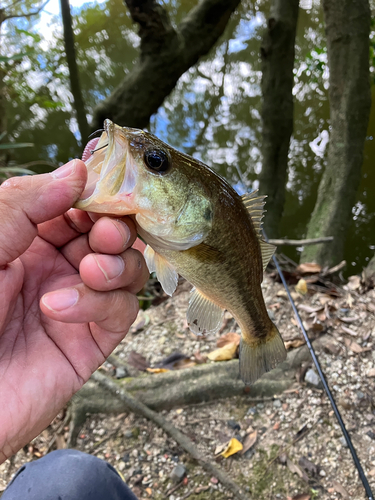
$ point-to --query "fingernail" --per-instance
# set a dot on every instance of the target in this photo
(124, 232)
(65, 170)
(110, 265)
(61, 299)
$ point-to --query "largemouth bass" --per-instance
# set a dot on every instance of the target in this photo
(195, 225)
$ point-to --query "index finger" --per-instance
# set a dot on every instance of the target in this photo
(31, 200)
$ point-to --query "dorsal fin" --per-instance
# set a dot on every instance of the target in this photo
(254, 204)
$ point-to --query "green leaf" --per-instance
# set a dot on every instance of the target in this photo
(15, 170)
(2, 135)
(17, 145)
(16, 57)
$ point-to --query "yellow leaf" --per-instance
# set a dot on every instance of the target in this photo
(224, 353)
(233, 447)
(301, 287)
(157, 370)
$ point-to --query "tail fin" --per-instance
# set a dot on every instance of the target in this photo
(261, 357)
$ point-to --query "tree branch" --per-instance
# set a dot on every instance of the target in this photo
(165, 55)
(297, 243)
(154, 24)
(140, 409)
(29, 14)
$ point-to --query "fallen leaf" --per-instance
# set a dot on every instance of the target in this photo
(349, 331)
(309, 309)
(349, 320)
(356, 348)
(301, 287)
(223, 353)
(228, 338)
(371, 307)
(157, 370)
(276, 426)
(309, 268)
(324, 298)
(372, 472)
(331, 346)
(141, 321)
(234, 446)
(294, 343)
(302, 496)
(296, 470)
(173, 361)
(200, 358)
(349, 301)
(148, 491)
(220, 448)
(249, 441)
(354, 282)
(371, 373)
(138, 361)
(309, 466)
(340, 489)
(201, 488)
(213, 480)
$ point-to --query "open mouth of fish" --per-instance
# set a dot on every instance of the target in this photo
(110, 174)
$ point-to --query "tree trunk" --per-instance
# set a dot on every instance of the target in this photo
(73, 70)
(166, 53)
(277, 53)
(347, 28)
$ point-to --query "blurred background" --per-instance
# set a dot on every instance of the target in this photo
(213, 113)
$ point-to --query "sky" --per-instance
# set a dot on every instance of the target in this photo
(52, 9)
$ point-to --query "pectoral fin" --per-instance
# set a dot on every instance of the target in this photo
(203, 315)
(165, 272)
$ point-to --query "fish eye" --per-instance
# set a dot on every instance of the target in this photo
(157, 160)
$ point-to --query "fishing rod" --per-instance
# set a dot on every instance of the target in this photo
(348, 440)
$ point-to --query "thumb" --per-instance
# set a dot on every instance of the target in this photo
(30, 200)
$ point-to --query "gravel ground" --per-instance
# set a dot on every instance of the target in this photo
(298, 451)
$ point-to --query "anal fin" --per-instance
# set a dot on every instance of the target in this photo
(165, 272)
(203, 315)
(260, 357)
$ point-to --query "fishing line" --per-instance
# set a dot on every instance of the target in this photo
(325, 385)
(96, 132)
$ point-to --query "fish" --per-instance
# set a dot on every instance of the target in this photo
(195, 225)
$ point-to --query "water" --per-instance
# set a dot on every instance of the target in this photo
(214, 112)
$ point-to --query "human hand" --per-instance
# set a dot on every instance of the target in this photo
(67, 297)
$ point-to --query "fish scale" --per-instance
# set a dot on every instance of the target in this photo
(195, 225)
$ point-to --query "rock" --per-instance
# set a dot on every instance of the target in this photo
(271, 315)
(343, 441)
(121, 372)
(371, 434)
(251, 411)
(312, 378)
(178, 473)
(234, 425)
(277, 403)
(126, 458)
(128, 434)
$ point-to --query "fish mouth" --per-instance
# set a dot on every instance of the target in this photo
(110, 174)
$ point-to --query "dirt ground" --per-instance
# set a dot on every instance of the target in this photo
(296, 450)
